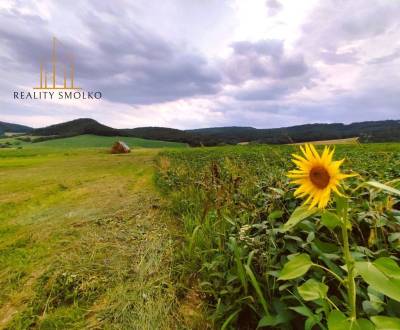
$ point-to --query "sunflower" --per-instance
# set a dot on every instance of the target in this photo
(317, 175)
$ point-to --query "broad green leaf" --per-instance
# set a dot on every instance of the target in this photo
(303, 310)
(330, 220)
(386, 322)
(388, 266)
(313, 290)
(270, 320)
(311, 322)
(384, 187)
(325, 247)
(299, 214)
(312, 318)
(372, 308)
(338, 321)
(362, 324)
(378, 280)
(296, 267)
(275, 215)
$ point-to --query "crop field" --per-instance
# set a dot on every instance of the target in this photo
(259, 263)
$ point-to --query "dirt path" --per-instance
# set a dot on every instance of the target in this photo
(89, 238)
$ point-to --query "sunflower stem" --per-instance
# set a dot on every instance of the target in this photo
(351, 286)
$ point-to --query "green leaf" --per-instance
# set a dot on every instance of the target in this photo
(378, 280)
(386, 322)
(239, 264)
(229, 319)
(330, 220)
(372, 308)
(275, 215)
(313, 290)
(338, 321)
(296, 267)
(312, 318)
(342, 204)
(299, 214)
(388, 266)
(303, 310)
(256, 286)
(270, 320)
(384, 187)
(362, 324)
(325, 247)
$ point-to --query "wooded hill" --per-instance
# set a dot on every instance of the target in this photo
(371, 131)
(13, 128)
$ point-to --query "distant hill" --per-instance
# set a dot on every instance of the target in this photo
(14, 128)
(371, 131)
(89, 126)
(77, 127)
(170, 134)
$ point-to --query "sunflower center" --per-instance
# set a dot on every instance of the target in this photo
(319, 176)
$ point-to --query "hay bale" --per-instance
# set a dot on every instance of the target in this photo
(120, 147)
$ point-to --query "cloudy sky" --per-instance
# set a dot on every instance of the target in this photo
(201, 63)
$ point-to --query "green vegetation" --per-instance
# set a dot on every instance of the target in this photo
(255, 271)
(95, 141)
(372, 131)
(7, 127)
(84, 241)
(369, 131)
(87, 141)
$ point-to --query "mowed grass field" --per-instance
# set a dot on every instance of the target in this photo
(84, 241)
(93, 141)
(353, 140)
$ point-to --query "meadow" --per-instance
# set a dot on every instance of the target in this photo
(91, 141)
(259, 260)
(84, 241)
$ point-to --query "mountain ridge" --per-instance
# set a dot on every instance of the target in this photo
(14, 128)
(368, 131)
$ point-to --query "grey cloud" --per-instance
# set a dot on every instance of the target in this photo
(271, 47)
(128, 63)
(274, 7)
(265, 58)
(264, 92)
(275, 89)
(276, 73)
(333, 57)
(337, 22)
(385, 59)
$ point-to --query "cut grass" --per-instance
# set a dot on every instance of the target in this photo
(84, 242)
(353, 140)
